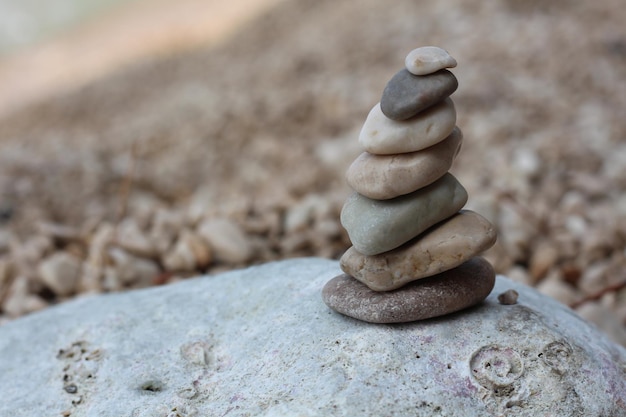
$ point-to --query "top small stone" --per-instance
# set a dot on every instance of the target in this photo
(428, 59)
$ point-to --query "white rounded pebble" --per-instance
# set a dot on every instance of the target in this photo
(383, 136)
(428, 59)
(19, 300)
(130, 269)
(60, 273)
(228, 241)
(189, 252)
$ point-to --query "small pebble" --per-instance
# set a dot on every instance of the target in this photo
(71, 389)
(90, 278)
(189, 252)
(544, 256)
(382, 136)
(428, 59)
(227, 240)
(554, 287)
(60, 232)
(130, 236)
(100, 241)
(132, 270)
(406, 94)
(19, 300)
(442, 247)
(605, 319)
(377, 226)
(60, 272)
(165, 228)
(450, 291)
(509, 297)
(304, 213)
(382, 177)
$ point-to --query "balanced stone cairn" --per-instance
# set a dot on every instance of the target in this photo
(414, 253)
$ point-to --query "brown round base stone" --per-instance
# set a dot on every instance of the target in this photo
(444, 293)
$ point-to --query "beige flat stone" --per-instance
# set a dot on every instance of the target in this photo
(428, 59)
(381, 135)
(382, 177)
(440, 248)
(377, 226)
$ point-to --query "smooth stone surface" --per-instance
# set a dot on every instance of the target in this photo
(261, 342)
(428, 59)
(376, 226)
(450, 291)
(382, 136)
(406, 94)
(442, 247)
(382, 177)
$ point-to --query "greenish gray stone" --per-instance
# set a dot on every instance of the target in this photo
(377, 226)
(406, 94)
(444, 246)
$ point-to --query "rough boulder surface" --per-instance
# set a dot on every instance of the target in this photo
(260, 342)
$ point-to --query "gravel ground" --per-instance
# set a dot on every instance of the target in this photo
(233, 155)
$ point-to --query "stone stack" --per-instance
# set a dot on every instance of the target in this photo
(414, 253)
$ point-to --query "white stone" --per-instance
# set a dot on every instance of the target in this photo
(377, 226)
(5, 240)
(132, 270)
(60, 272)
(166, 225)
(428, 59)
(383, 136)
(131, 238)
(189, 252)
(19, 300)
(228, 242)
(260, 342)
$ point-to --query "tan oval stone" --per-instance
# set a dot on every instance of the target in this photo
(382, 136)
(440, 248)
(382, 177)
(450, 291)
(377, 226)
(428, 59)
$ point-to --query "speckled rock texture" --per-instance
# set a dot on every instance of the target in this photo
(260, 342)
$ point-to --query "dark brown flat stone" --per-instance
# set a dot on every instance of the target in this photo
(452, 290)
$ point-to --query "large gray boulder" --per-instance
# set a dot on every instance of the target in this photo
(260, 342)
